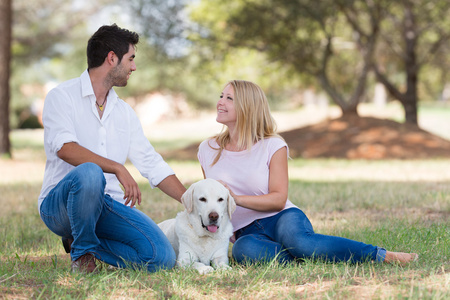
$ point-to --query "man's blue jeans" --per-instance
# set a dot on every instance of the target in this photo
(78, 208)
(289, 235)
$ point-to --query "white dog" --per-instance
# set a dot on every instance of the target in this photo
(200, 234)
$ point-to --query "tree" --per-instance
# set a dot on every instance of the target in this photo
(340, 41)
(310, 36)
(5, 59)
(413, 33)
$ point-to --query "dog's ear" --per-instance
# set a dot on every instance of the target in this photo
(187, 198)
(231, 205)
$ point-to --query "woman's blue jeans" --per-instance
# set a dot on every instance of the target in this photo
(289, 235)
(78, 208)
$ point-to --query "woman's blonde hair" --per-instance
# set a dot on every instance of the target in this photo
(254, 121)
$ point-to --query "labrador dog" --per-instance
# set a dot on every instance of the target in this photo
(200, 234)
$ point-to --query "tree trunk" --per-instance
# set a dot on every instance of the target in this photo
(349, 111)
(411, 67)
(409, 98)
(5, 58)
(410, 107)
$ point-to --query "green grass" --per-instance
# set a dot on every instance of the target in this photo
(400, 216)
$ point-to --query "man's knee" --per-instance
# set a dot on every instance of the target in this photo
(90, 174)
(90, 170)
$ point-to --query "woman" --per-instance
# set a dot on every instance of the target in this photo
(250, 159)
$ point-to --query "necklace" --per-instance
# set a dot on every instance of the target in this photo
(102, 105)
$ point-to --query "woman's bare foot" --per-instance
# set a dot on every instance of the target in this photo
(400, 258)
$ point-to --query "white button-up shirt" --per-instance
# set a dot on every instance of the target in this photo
(70, 115)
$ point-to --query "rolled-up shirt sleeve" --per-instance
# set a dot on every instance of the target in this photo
(57, 121)
(144, 157)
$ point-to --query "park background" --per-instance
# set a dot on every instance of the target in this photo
(360, 91)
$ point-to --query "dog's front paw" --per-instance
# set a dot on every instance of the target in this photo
(205, 269)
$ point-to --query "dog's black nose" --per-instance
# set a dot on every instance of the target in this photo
(213, 216)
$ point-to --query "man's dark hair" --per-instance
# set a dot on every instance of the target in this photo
(109, 38)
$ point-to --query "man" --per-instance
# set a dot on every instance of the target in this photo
(89, 133)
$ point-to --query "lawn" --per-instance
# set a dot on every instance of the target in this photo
(402, 205)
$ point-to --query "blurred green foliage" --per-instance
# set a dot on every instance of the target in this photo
(192, 48)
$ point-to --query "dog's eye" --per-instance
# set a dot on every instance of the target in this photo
(220, 199)
(203, 199)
